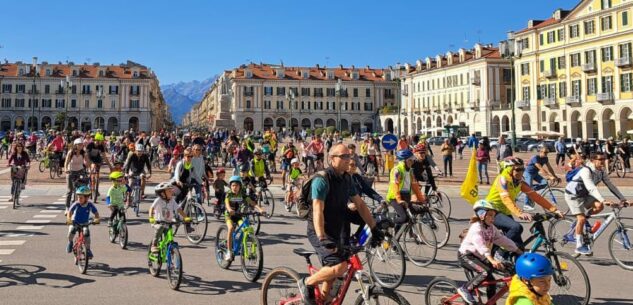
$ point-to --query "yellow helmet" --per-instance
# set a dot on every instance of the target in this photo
(116, 175)
(99, 137)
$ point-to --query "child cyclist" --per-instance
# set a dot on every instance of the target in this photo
(293, 180)
(164, 209)
(79, 214)
(117, 198)
(218, 190)
(533, 279)
(475, 251)
(234, 201)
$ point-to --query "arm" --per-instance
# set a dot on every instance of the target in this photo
(415, 187)
(366, 189)
(126, 165)
(508, 201)
(614, 190)
(534, 196)
(502, 241)
(585, 175)
(69, 156)
(317, 218)
(363, 211)
(147, 164)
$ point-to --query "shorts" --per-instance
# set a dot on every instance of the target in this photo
(328, 257)
(230, 220)
(285, 164)
(578, 206)
(320, 156)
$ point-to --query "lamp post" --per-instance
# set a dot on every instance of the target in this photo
(509, 50)
(36, 73)
(405, 93)
(66, 84)
(290, 96)
(338, 91)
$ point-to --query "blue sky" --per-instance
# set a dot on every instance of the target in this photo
(186, 40)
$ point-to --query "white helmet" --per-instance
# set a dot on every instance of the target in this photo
(294, 160)
(162, 186)
(140, 147)
(78, 141)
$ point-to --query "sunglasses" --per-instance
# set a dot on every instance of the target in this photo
(519, 170)
(601, 159)
(187, 156)
(343, 156)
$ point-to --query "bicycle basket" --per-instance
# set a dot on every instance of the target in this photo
(19, 173)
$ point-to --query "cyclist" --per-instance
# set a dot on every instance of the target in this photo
(258, 170)
(624, 152)
(56, 146)
(533, 279)
(199, 169)
(401, 183)
(218, 187)
(242, 157)
(135, 166)
(315, 148)
(610, 149)
(293, 180)
(164, 208)
(538, 164)
(234, 201)
(503, 193)
(361, 184)
(79, 213)
(421, 166)
(154, 140)
(19, 157)
(75, 165)
(117, 197)
(584, 198)
(96, 155)
(475, 251)
(288, 153)
(183, 174)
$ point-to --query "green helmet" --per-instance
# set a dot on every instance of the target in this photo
(483, 205)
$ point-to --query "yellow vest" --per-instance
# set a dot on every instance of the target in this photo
(518, 290)
(494, 197)
(259, 168)
(393, 188)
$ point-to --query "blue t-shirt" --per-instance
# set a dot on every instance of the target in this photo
(320, 189)
(531, 167)
(82, 214)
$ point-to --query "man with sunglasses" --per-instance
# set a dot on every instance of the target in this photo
(503, 194)
(584, 198)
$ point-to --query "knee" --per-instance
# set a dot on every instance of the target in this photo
(516, 228)
(598, 207)
(339, 270)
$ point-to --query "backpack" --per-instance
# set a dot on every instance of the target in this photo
(580, 191)
(304, 202)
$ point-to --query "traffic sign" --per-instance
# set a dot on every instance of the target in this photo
(389, 142)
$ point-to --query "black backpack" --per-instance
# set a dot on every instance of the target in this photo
(304, 202)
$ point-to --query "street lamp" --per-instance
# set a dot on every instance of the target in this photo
(36, 73)
(66, 84)
(338, 91)
(405, 93)
(510, 50)
(290, 96)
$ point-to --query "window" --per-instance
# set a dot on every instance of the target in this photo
(6, 88)
(551, 35)
(48, 72)
(305, 91)
(74, 89)
(135, 104)
(294, 90)
(540, 40)
(268, 105)
(607, 84)
(47, 103)
(19, 103)
(355, 91)
(318, 92)
(589, 27)
(33, 103)
(134, 90)
(85, 89)
(330, 92)
(525, 69)
(113, 89)
(60, 103)
(279, 105)
(625, 18)
(625, 50)
(591, 86)
(20, 88)
(525, 94)
(626, 82)
(561, 34)
(281, 91)
(561, 62)
(6, 103)
(268, 90)
(112, 104)
(369, 107)
(248, 104)
(606, 4)
(605, 23)
(575, 88)
(367, 92)
(248, 91)
(86, 103)
(542, 66)
(590, 56)
(47, 89)
(552, 91)
(562, 89)
(73, 103)
(607, 53)
(100, 104)
(574, 32)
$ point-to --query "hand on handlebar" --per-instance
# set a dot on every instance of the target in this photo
(525, 216)
(559, 214)
(497, 264)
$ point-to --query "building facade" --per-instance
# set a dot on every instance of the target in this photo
(262, 96)
(574, 71)
(42, 96)
(465, 92)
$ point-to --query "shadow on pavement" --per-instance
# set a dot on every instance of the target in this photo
(18, 233)
(281, 238)
(20, 275)
(104, 270)
(195, 285)
(611, 301)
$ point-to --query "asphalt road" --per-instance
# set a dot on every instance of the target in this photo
(34, 268)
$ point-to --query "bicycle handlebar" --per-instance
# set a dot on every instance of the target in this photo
(538, 217)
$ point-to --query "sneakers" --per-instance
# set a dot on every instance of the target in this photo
(11, 199)
(154, 249)
(528, 207)
(228, 256)
(306, 292)
(584, 250)
(90, 256)
(69, 247)
(466, 295)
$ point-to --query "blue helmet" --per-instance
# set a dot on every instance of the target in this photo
(404, 154)
(237, 179)
(532, 265)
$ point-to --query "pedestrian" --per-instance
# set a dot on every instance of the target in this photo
(483, 158)
(447, 153)
(504, 150)
(453, 140)
(473, 142)
(560, 152)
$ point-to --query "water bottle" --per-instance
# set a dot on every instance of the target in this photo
(596, 226)
(364, 236)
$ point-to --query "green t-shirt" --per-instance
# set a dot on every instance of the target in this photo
(117, 195)
(525, 301)
(295, 173)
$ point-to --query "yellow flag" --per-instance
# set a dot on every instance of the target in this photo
(470, 190)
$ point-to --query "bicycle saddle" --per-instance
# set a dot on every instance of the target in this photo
(303, 252)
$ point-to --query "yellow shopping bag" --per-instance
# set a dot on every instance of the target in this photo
(469, 190)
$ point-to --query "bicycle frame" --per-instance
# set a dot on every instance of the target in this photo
(498, 295)
(354, 271)
(165, 246)
(240, 234)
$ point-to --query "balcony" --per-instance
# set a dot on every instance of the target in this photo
(623, 62)
(498, 105)
(426, 109)
(34, 91)
(606, 97)
(549, 73)
(60, 92)
(437, 109)
(474, 105)
(389, 96)
(522, 104)
(318, 94)
(248, 93)
(589, 67)
(550, 102)
(475, 80)
(572, 100)
(459, 107)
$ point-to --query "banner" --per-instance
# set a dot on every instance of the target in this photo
(469, 190)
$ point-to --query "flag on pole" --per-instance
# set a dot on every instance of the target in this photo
(469, 190)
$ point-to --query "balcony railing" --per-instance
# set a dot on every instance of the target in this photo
(437, 109)
(389, 96)
(572, 100)
(605, 97)
(59, 91)
(522, 104)
(474, 104)
(623, 62)
(34, 91)
(589, 67)
(550, 102)
(248, 93)
(426, 109)
(475, 80)
(549, 73)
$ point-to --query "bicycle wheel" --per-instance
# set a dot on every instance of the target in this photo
(112, 230)
(267, 201)
(570, 284)
(123, 235)
(379, 296)
(439, 223)
(60, 171)
(174, 266)
(42, 165)
(161, 164)
(441, 202)
(220, 247)
(136, 200)
(563, 232)
(198, 224)
(256, 222)
(280, 287)
(557, 197)
(95, 190)
(420, 244)
(154, 262)
(386, 264)
(52, 170)
(252, 258)
(82, 258)
(620, 247)
(619, 169)
(442, 291)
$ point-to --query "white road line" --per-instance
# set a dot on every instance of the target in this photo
(51, 207)
(38, 221)
(12, 242)
(45, 216)
(59, 202)
(5, 196)
(5, 203)
(30, 228)
(6, 251)
(51, 211)
(3, 207)
(19, 235)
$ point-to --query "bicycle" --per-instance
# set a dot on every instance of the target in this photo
(159, 161)
(292, 193)
(94, 182)
(197, 229)
(548, 191)
(79, 179)
(435, 219)
(168, 252)
(44, 162)
(119, 228)
(264, 197)
(135, 196)
(619, 240)
(80, 250)
(245, 244)
(386, 261)
(280, 286)
(18, 174)
(438, 199)
(617, 165)
(54, 168)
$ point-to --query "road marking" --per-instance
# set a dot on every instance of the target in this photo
(52, 207)
(59, 202)
(30, 228)
(45, 216)
(3, 207)
(51, 211)
(5, 203)
(4, 171)
(6, 251)
(11, 235)
(38, 221)
(12, 242)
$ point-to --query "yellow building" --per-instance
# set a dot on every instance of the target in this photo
(573, 71)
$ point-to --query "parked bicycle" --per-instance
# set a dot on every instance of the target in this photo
(168, 253)
(245, 245)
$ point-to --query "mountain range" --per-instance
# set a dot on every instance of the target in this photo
(182, 96)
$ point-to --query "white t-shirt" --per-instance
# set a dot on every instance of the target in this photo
(165, 211)
(154, 141)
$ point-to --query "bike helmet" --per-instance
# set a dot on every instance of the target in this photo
(130, 146)
(258, 151)
(99, 137)
(420, 147)
(532, 265)
(404, 154)
(236, 179)
(78, 141)
(140, 147)
(83, 190)
(513, 161)
(482, 206)
(294, 160)
(116, 175)
(162, 187)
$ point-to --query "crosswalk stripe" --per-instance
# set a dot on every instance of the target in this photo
(5, 203)
(38, 221)
(51, 211)
(11, 235)
(3, 207)
(44, 216)
(50, 207)
(12, 242)
(30, 227)
(6, 251)
(59, 202)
